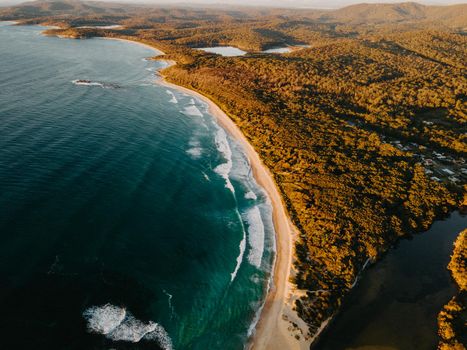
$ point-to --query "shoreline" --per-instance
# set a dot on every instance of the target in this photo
(290, 292)
(273, 330)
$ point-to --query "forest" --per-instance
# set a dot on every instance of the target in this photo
(452, 327)
(363, 124)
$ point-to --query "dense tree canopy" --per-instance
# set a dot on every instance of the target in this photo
(363, 129)
(452, 326)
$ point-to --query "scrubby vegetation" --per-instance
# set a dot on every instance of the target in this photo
(322, 119)
(363, 130)
(452, 320)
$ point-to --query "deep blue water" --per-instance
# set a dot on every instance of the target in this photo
(128, 218)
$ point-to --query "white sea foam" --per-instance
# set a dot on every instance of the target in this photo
(255, 236)
(160, 335)
(241, 253)
(131, 330)
(7, 23)
(117, 324)
(195, 152)
(206, 176)
(87, 83)
(173, 99)
(193, 111)
(170, 296)
(192, 102)
(104, 319)
(255, 279)
(95, 83)
(223, 147)
(259, 308)
(251, 195)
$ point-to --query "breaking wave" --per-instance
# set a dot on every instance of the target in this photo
(117, 324)
(171, 307)
(95, 83)
(206, 176)
(241, 253)
(193, 111)
(173, 99)
(223, 147)
(195, 150)
(255, 236)
(251, 195)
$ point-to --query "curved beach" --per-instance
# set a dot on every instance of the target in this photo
(272, 330)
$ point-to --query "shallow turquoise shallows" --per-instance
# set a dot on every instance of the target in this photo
(128, 218)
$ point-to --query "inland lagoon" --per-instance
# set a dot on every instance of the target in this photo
(396, 303)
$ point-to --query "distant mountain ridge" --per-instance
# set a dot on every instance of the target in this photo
(399, 12)
(454, 16)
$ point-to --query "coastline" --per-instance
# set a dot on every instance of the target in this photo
(274, 329)
(290, 293)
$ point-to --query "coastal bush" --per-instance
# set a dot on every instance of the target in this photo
(452, 325)
(344, 125)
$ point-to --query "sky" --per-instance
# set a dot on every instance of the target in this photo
(280, 3)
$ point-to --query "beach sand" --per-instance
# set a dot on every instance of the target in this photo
(274, 330)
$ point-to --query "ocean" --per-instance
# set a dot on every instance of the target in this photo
(129, 219)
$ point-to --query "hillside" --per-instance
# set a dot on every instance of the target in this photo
(364, 127)
(455, 15)
(452, 327)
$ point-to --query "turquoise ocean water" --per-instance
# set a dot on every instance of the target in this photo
(128, 218)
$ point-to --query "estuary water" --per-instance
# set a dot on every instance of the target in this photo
(395, 305)
(128, 218)
(228, 51)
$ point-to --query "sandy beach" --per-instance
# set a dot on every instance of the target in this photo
(274, 330)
